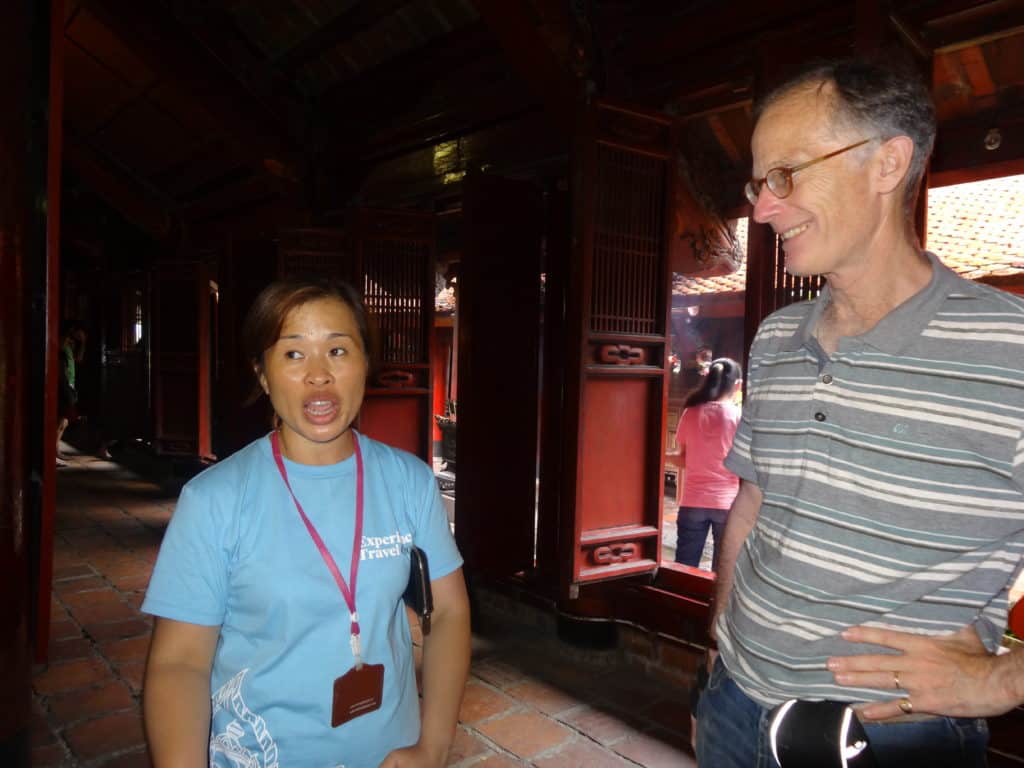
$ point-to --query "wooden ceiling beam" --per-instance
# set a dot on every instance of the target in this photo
(528, 53)
(956, 25)
(344, 27)
(214, 28)
(406, 74)
(131, 199)
(173, 53)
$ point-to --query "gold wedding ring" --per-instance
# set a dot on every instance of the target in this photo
(896, 679)
(906, 706)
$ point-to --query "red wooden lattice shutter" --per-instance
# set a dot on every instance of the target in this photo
(621, 188)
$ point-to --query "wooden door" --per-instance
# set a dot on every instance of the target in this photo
(181, 345)
(616, 379)
(499, 349)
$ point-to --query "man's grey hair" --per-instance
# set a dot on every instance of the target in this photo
(883, 100)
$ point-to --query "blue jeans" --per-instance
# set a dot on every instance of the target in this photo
(692, 531)
(732, 732)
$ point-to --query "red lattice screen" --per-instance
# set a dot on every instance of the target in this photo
(394, 273)
(629, 230)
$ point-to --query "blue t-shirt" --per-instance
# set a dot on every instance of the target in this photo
(237, 555)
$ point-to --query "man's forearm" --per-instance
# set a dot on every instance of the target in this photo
(738, 525)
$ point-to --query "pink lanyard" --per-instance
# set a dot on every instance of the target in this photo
(349, 595)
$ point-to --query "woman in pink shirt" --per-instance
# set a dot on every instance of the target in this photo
(704, 437)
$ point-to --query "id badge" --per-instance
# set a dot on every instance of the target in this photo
(357, 692)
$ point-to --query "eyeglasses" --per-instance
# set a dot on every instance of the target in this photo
(780, 180)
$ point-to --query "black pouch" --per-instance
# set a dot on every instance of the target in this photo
(417, 592)
(819, 734)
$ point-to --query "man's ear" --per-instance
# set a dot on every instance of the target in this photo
(894, 158)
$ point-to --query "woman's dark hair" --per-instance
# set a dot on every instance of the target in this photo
(721, 378)
(266, 316)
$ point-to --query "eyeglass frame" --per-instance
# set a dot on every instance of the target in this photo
(749, 187)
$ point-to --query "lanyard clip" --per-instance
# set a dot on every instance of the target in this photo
(356, 649)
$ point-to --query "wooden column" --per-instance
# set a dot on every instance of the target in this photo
(45, 143)
(27, 267)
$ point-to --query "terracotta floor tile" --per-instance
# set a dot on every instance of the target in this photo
(480, 702)
(138, 759)
(525, 733)
(132, 582)
(62, 629)
(71, 571)
(604, 727)
(107, 698)
(83, 584)
(464, 746)
(130, 649)
(40, 730)
(657, 749)
(50, 756)
(93, 614)
(498, 673)
(132, 673)
(499, 761)
(547, 698)
(106, 595)
(70, 675)
(105, 735)
(71, 648)
(115, 630)
(581, 753)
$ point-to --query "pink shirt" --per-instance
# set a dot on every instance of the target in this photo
(705, 432)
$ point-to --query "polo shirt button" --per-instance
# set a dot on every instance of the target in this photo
(826, 379)
(819, 416)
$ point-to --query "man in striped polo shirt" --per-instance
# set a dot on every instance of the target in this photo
(881, 449)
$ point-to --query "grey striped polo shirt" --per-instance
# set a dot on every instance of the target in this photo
(893, 481)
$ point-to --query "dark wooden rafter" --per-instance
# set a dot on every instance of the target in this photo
(213, 27)
(958, 24)
(405, 75)
(137, 203)
(167, 49)
(532, 59)
(672, 46)
(344, 27)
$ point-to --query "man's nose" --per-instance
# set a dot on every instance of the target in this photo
(767, 205)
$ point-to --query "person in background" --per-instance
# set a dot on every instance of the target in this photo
(704, 436)
(281, 637)
(70, 353)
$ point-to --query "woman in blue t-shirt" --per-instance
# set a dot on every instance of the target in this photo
(281, 637)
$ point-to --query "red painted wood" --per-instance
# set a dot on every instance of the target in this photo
(55, 142)
(15, 218)
(393, 420)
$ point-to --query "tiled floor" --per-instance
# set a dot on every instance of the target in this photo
(527, 702)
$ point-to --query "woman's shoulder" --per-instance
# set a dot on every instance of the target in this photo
(230, 474)
(392, 459)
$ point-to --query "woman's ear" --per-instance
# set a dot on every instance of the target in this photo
(262, 379)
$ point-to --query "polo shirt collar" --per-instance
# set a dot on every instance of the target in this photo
(902, 325)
